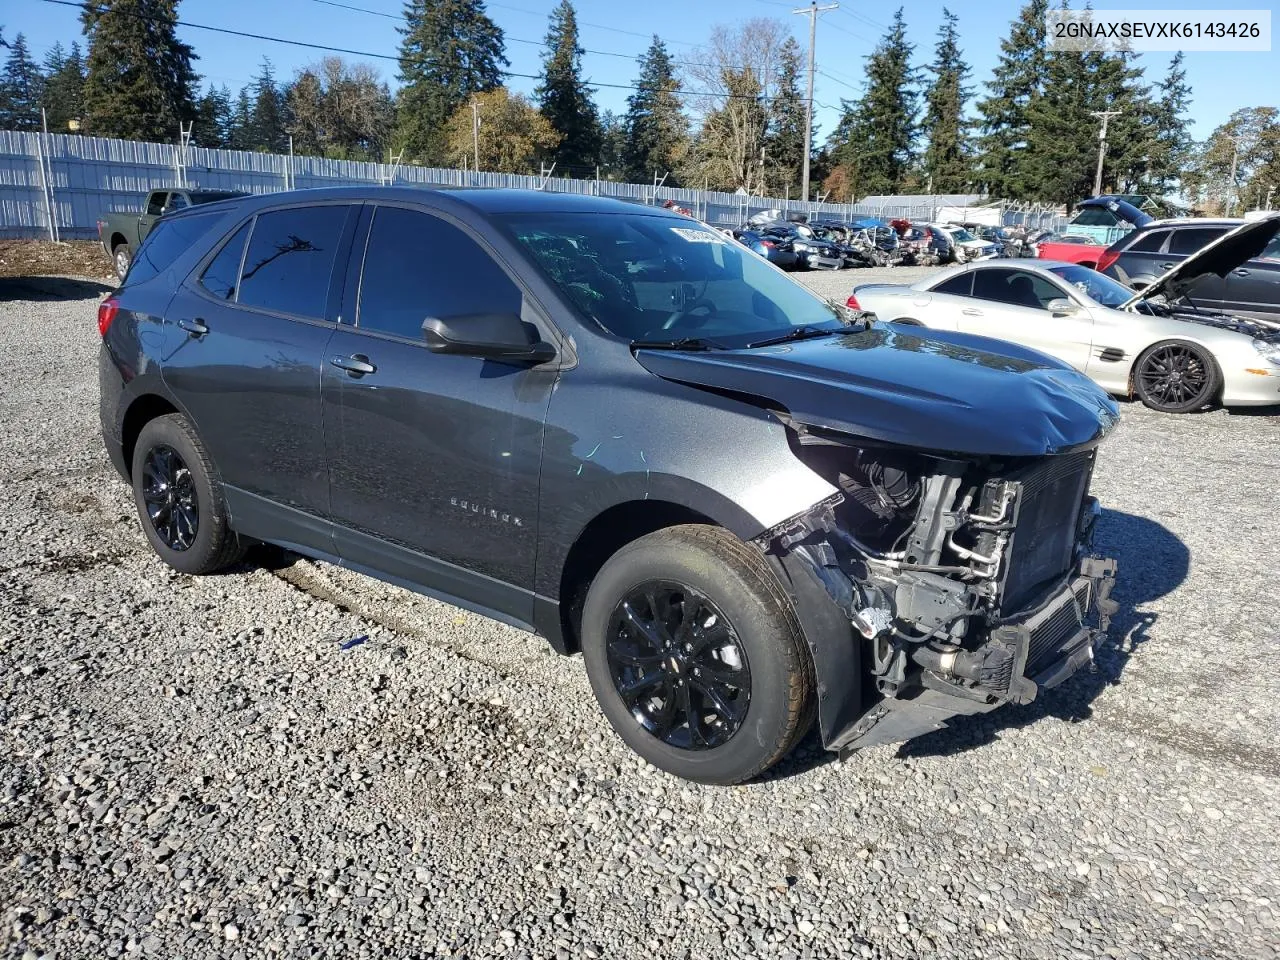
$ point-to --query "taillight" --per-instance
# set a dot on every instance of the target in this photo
(1107, 259)
(107, 311)
(852, 303)
(768, 243)
(101, 224)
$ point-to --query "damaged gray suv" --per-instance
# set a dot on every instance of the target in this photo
(748, 508)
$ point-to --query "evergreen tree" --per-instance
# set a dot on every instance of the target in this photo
(267, 121)
(240, 135)
(875, 137)
(947, 160)
(784, 146)
(1016, 83)
(657, 129)
(613, 146)
(1172, 134)
(565, 100)
(212, 126)
(64, 88)
(20, 89)
(140, 83)
(450, 50)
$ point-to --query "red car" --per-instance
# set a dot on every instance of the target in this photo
(1068, 248)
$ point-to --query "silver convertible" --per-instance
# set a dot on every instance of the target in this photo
(1154, 344)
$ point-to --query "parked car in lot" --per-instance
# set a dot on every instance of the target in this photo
(122, 233)
(963, 245)
(1069, 248)
(1250, 289)
(613, 426)
(1173, 358)
(811, 252)
(779, 254)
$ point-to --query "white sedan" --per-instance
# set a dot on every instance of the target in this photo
(1171, 356)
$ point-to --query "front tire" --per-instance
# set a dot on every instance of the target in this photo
(695, 655)
(179, 499)
(1175, 376)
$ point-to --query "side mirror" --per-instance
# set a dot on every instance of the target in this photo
(492, 336)
(1062, 307)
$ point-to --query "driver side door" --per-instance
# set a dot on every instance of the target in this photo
(1013, 305)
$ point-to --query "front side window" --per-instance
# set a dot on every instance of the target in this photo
(221, 276)
(654, 278)
(418, 266)
(290, 260)
(1014, 287)
(167, 241)
(1186, 242)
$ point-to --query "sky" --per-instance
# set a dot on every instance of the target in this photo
(616, 31)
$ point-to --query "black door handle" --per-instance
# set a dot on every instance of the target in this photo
(1240, 273)
(1166, 266)
(195, 328)
(356, 365)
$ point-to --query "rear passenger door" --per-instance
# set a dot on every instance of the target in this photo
(245, 340)
(433, 458)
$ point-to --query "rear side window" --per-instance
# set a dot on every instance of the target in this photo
(176, 202)
(221, 276)
(167, 241)
(1150, 242)
(418, 266)
(959, 286)
(290, 260)
(1189, 241)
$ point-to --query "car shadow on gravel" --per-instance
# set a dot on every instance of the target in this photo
(1151, 562)
(44, 289)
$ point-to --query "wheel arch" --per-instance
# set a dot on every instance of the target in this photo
(603, 536)
(142, 410)
(117, 238)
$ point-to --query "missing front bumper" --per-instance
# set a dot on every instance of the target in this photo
(1042, 647)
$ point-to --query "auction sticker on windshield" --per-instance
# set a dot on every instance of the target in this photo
(697, 236)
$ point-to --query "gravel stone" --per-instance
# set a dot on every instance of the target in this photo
(192, 767)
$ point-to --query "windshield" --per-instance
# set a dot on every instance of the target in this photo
(1096, 286)
(653, 278)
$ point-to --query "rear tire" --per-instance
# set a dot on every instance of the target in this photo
(1175, 376)
(122, 256)
(179, 499)
(695, 655)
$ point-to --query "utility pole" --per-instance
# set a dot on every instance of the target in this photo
(1105, 116)
(475, 131)
(1270, 191)
(1235, 160)
(811, 12)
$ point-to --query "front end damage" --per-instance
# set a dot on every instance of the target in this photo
(930, 587)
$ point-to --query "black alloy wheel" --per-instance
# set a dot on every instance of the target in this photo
(1176, 377)
(677, 663)
(179, 499)
(169, 493)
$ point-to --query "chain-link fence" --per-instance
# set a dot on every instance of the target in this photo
(58, 185)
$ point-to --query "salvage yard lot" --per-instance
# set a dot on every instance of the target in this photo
(195, 768)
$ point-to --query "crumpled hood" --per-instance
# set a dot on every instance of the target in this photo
(1225, 254)
(942, 391)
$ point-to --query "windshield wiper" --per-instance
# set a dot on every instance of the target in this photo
(680, 343)
(797, 333)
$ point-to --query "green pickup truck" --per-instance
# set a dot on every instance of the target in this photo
(122, 233)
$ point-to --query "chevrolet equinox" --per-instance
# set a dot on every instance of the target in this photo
(748, 508)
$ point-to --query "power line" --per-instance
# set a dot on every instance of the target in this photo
(382, 56)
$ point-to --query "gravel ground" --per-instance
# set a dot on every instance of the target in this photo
(194, 768)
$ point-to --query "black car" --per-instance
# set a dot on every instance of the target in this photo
(616, 428)
(1249, 290)
(778, 253)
